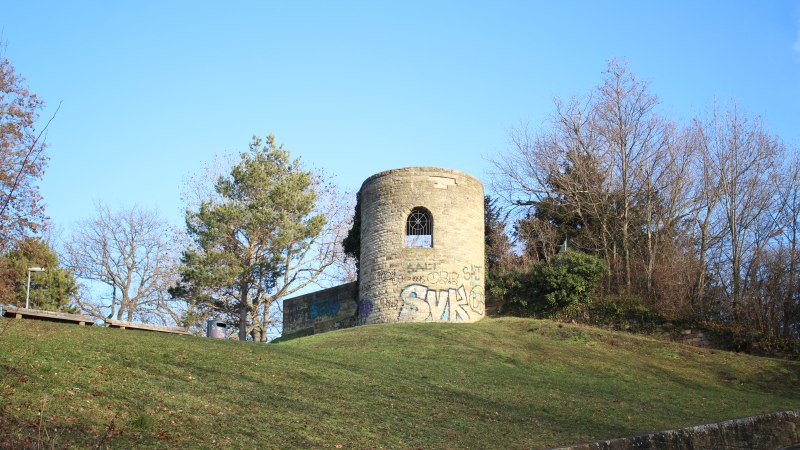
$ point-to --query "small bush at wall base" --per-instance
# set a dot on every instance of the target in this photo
(626, 312)
(629, 313)
(620, 312)
(740, 339)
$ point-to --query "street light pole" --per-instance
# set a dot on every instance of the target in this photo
(28, 290)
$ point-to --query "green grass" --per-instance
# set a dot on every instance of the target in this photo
(500, 383)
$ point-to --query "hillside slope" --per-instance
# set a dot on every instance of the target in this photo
(503, 383)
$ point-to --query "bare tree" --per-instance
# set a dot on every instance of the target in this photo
(665, 205)
(705, 195)
(744, 159)
(338, 207)
(562, 172)
(702, 222)
(635, 138)
(134, 253)
(788, 220)
(602, 165)
(322, 264)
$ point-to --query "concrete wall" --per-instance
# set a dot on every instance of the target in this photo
(769, 431)
(320, 311)
(442, 283)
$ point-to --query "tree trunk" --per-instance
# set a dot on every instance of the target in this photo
(113, 300)
(700, 286)
(122, 308)
(788, 304)
(244, 290)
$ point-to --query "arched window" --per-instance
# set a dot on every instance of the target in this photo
(419, 228)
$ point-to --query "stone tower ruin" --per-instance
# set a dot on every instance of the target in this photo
(422, 256)
(422, 247)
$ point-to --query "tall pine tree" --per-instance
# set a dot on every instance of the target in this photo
(255, 242)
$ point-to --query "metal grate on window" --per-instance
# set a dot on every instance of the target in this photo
(419, 223)
(419, 228)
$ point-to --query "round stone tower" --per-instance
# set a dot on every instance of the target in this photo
(422, 247)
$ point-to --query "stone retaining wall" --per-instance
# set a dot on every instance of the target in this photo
(769, 431)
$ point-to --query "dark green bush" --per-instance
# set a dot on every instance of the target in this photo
(570, 278)
(501, 286)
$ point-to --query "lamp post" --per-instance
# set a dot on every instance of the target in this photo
(28, 291)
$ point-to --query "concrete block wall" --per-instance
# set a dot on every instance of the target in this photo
(321, 311)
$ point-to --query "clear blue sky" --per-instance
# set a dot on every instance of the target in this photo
(151, 90)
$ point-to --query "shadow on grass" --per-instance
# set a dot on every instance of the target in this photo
(418, 386)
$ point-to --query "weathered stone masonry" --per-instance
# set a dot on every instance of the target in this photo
(411, 284)
(779, 430)
(441, 281)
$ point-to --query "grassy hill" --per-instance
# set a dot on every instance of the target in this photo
(502, 383)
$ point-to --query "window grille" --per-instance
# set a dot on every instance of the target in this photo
(419, 228)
